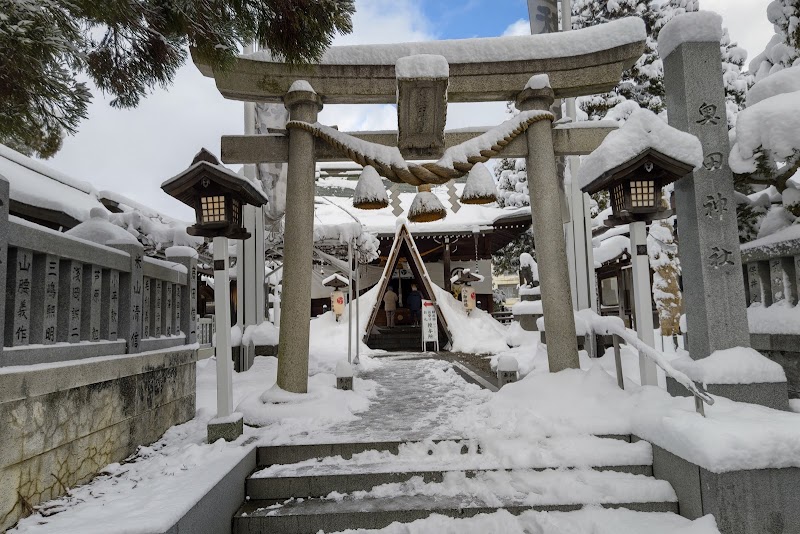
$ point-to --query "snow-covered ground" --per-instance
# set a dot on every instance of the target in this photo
(543, 420)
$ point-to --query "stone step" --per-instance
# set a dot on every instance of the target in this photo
(431, 462)
(314, 485)
(292, 454)
(515, 492)
(296, 453)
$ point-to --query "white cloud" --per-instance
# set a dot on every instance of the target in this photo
(520, 27)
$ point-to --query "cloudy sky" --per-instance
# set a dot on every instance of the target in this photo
(133, 151)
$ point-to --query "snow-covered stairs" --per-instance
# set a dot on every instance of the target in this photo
(332, 487)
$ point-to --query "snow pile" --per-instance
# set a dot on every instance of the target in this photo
(370, 189)
(610, 249)
(733, 436)
(642, 131)
(301, 85)
(421, 66)
(526, 260)
(344, 369)
(771, 126)
(527, 307)
(179, 468)
(785, 81)
(98, 229)
(524, 290)
(175, 252)
(738, 365)
(507, 364)
(511, 48)
(538, 81)
(262, 334)
(480, 185)
(328, 338)
(581, 326)
(323, 402)
(696, 27)
(594, 519)
(476, 333)
(780, 318)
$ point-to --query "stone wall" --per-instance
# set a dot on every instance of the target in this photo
(61, 424)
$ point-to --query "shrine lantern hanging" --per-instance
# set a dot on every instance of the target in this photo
(634, 187)
(468, 296)
(338, 300)
(217, 195)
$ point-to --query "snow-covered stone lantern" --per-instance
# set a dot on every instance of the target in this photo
(217, 195)
(633, 164)
(337, 282)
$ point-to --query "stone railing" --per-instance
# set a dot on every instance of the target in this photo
(772, 276)
(772, 272)
(69, 298)
(206, 327)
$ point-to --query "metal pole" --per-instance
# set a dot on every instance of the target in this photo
(222, 304)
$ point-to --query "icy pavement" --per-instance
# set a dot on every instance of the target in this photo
(416, 399)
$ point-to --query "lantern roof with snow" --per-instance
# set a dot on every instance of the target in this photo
(635, 162)
(336, 281)
(185, 185)
(217, 195)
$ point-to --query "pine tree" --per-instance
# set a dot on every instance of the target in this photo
(783, 50)
(506, 260)
(128, 48)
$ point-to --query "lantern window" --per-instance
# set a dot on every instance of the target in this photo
(236, 212)
(643, 193)
(618, 198)
(213, 208)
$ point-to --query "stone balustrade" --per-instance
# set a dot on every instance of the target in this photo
(69, 298)
(772, 272)
(772, 276)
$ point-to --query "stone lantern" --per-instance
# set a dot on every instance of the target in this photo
(634, 187)
(217, 195)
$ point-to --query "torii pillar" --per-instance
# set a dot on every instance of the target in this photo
(551, 250)
(304, 105)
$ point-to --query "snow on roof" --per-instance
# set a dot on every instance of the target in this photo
(335, 276)
(784, 81)
(694, 27)
(771, 125)
(422, 66)
(36, 184)
(383, 220)
(99, 229)
(611, 248)
(642, 131)
(489, 49)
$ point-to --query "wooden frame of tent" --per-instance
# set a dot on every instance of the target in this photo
(402, 239)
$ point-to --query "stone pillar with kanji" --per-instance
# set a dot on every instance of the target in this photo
(708, 237)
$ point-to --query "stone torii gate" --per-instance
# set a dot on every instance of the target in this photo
(421, 78)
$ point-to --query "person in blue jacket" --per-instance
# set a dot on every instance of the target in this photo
(414, 303)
